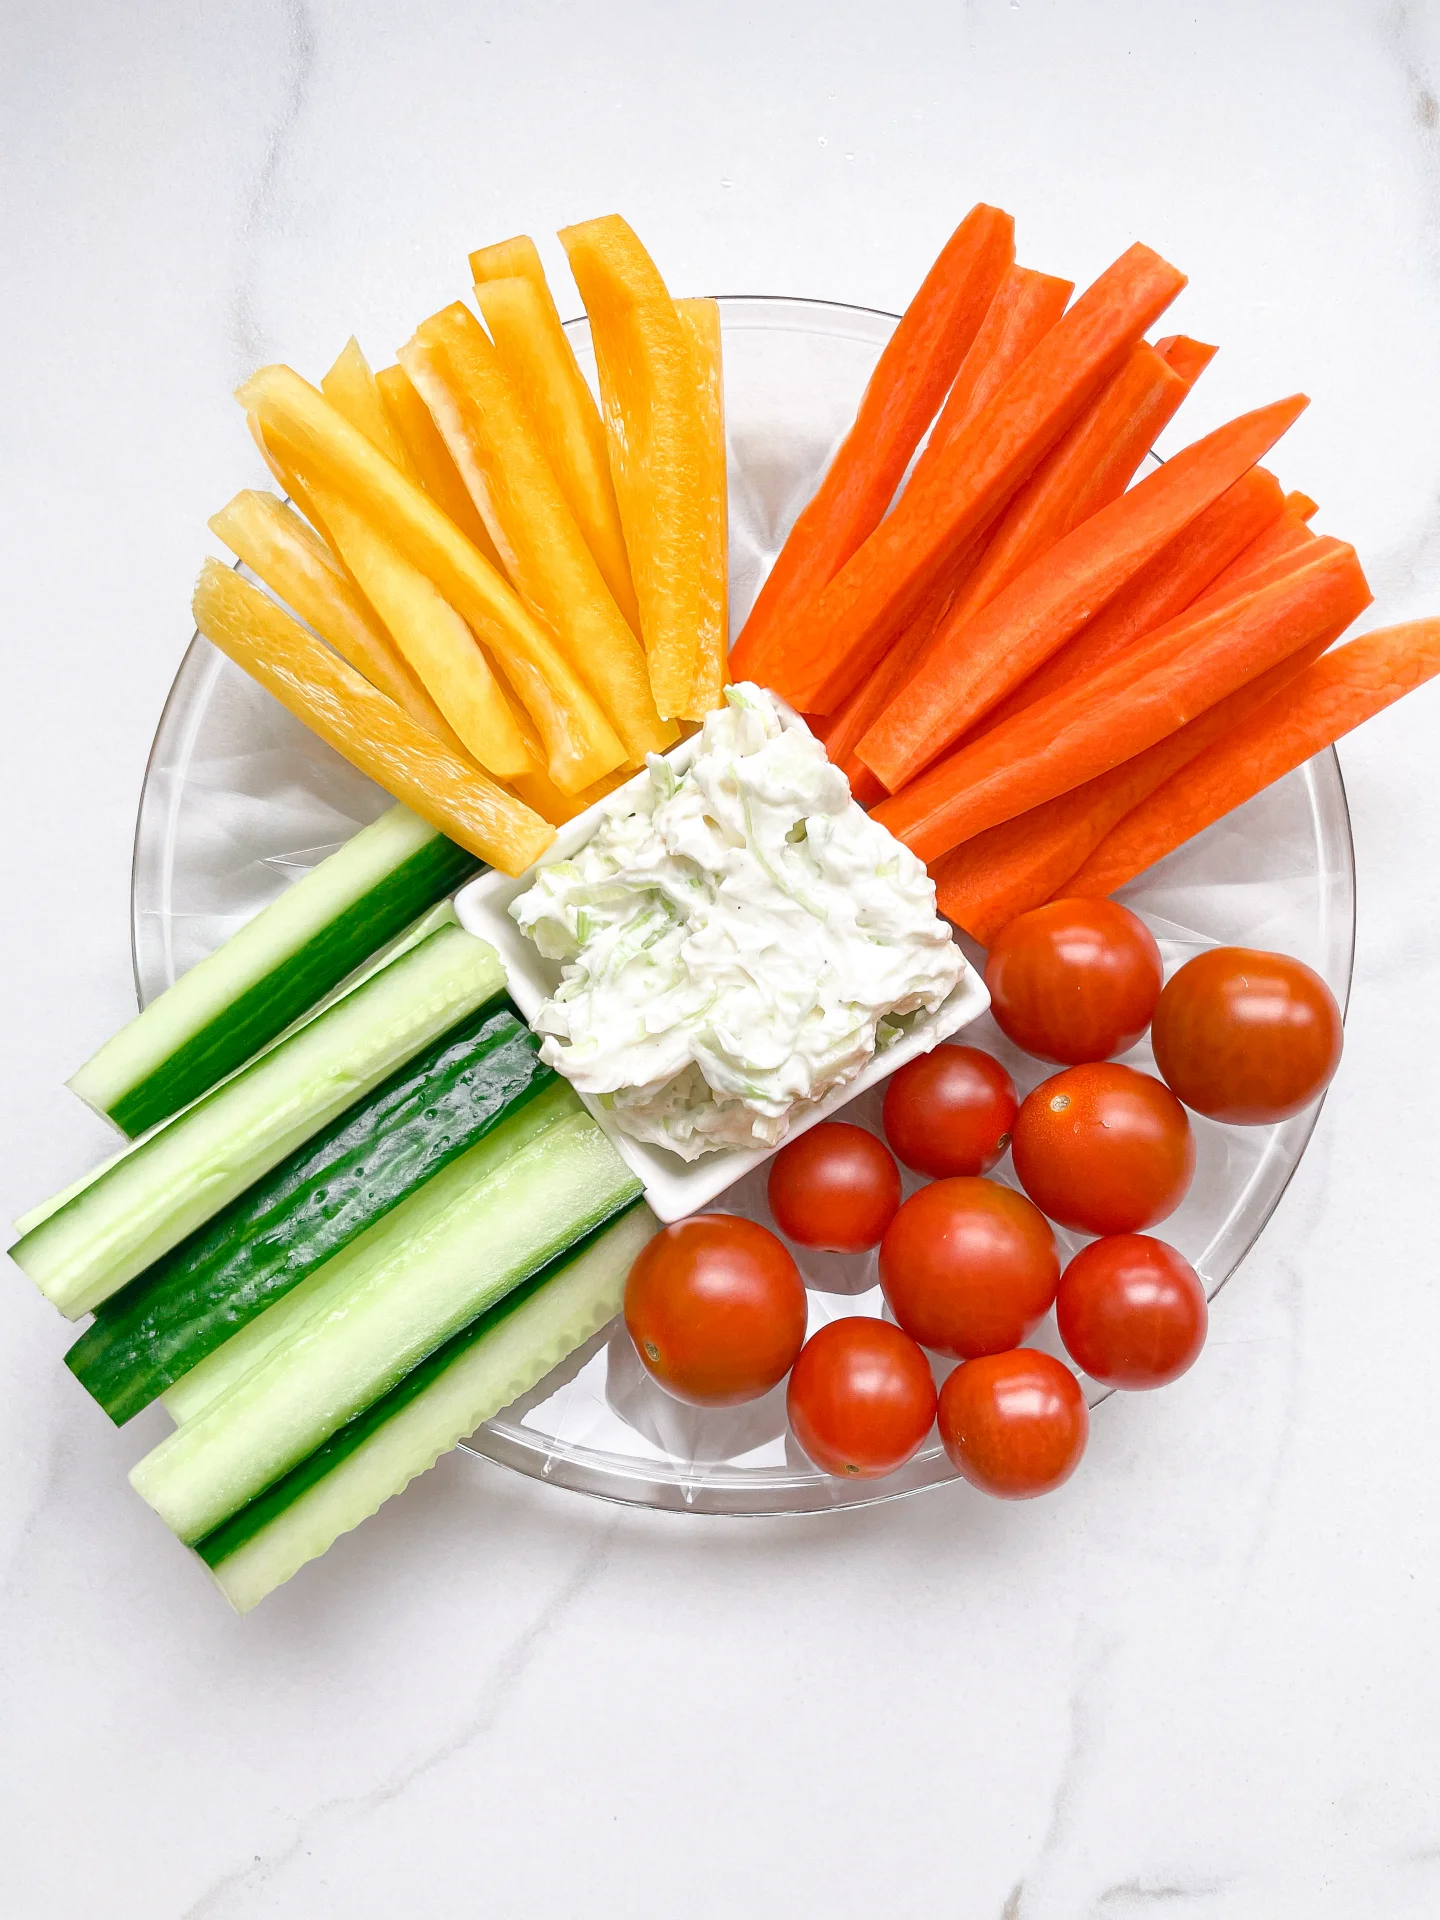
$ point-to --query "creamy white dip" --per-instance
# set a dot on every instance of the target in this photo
(739, 939)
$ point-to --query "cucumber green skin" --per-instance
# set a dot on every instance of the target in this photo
(306, 1209)
(244, 1525)
(272, 1004)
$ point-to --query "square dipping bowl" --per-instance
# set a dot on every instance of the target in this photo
(676, 1187)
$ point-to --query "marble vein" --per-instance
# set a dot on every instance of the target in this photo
(264, 203)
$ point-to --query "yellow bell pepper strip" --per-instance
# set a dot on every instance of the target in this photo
(439, 475)
(437, 645)
(701, 320)
(350, 388)
(275, 543)
(651, 410)
(359, 722)
(516, 305)
(319, 444)
(459, 376)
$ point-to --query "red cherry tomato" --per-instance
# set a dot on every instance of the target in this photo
(861, 1398)
(968, 1267)
(1015, 1424)
(835, 1187)
(1247, 1037)
(1104, 1149)
(716, 1308)
(1075, 980)
(950, 1112)
(1131, 1311)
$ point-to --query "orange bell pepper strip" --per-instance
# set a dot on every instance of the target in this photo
(318, 443)
(351, 389)
(493, 441)
(439, 476)
(701, 320)
(651, 408)
(360, 723)
(517, 306)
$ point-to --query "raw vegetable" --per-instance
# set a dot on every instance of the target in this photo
(1103, 1149)
(484, 1367)
(1131, 1312)
(1309, 713)
(426, 1270)
(1075, 980)
(272, 970)
(371, 731)
(835, 1187)
(837, 638)
(1188, 357)
(1014, 1424)
(973, 663)
(1075, 734)
(429, 455)
(351, 389)
(516, 305)
(949, 1112)
(919, 362)
(320, 444)
(969, 1266)
(275, 543)
(701, 322)
(651, 406)
(173, 1179)
(861, 1398)
(498, 449)
(306, 1209)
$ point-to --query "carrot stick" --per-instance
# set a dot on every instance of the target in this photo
(834, 640)
(1328, 699)
(974, 663)
(1301, 505)
(1090, 468)
(1287, 535)
(1074, 735)
(920, 360)
(982, 884)
(1166, 587)
(1188, 357)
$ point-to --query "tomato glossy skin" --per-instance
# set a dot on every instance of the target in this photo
(716, 1308)
(861, 1398)
(1131, 1312)
(969, 1267)
(836, 1187)
(1014, 1424)
(949, 1112)
(1074, 980)
(1247, 1037)
(1104, 1149)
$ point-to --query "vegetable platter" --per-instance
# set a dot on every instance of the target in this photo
(367, 1219)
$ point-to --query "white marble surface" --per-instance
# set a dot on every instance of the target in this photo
(1203, 1680)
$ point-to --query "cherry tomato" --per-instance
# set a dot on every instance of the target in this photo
(835, 1187)
(861, 1398)
(1247, 1037)
(1075, 980)
(968, 1267)
(1131, 1311)
(1104, 1149)
(1015, 1424)
(716, 1308)
(950, 1112)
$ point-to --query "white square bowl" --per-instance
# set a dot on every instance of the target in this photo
(676, 1187)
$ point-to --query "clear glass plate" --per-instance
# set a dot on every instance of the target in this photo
(239, 799)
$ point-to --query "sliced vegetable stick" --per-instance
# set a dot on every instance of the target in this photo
(836, 638)
(982, 884)
(494, 443)
(439, 476)
(371, 731)
(972, 664)
(275, 543)
(1283, 537)
(350, 388)
(1326, 701)
(1301, 505)
(1169, 584)
(1090, 467)
(580, 744)
(438, 646)
(535, 351)
(652, 422)
(919, 362)
(701, 320)
(1188, 357)
(1072, 736)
